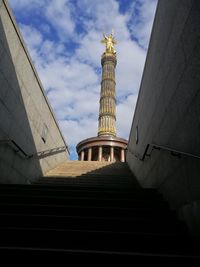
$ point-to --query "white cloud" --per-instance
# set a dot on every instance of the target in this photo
(125, 111)
(32, 36)
(129, 69)
(72, 104)
(63, 74)
(79, 129)
(59, 16)
(90, 48)
(141, 24)
(104, 16)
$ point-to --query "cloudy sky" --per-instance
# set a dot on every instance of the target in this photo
(63, 38)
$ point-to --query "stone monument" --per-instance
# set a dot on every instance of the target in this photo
(106, 146)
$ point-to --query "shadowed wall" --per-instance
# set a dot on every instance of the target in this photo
(168, 110)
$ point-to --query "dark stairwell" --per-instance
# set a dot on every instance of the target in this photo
(100, 213)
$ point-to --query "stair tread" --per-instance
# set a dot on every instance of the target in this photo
(95, 240)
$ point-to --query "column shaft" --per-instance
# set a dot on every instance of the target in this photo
(82, 155)
(122, 158)
(89, 154)
(100, 153)
(107, 110)
(111, 153)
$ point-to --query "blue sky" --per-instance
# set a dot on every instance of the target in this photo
(63, 38)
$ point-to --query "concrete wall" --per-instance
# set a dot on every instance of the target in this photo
(168, 109)
(24, 110)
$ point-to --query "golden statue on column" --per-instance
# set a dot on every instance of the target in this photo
(106, 146)
(110, 42)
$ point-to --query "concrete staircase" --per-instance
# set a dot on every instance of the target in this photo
(95, 168)
(84, 209)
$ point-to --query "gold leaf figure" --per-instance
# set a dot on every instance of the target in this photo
(110, 42)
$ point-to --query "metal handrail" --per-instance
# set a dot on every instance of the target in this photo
(17, 149)
(174, 152)
(48, 151)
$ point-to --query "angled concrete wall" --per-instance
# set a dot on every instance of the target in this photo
(168, 109)
(25, 114)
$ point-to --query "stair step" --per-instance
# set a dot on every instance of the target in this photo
(20, 189)
(103, 186)
(98, 241)
(90, 223)
(56, 187)
(83, 194)
(65, 188)
(93, 168)
(77, 180)
(65, 210)
(106, 202)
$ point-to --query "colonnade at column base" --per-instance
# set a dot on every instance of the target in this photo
(102, 148)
